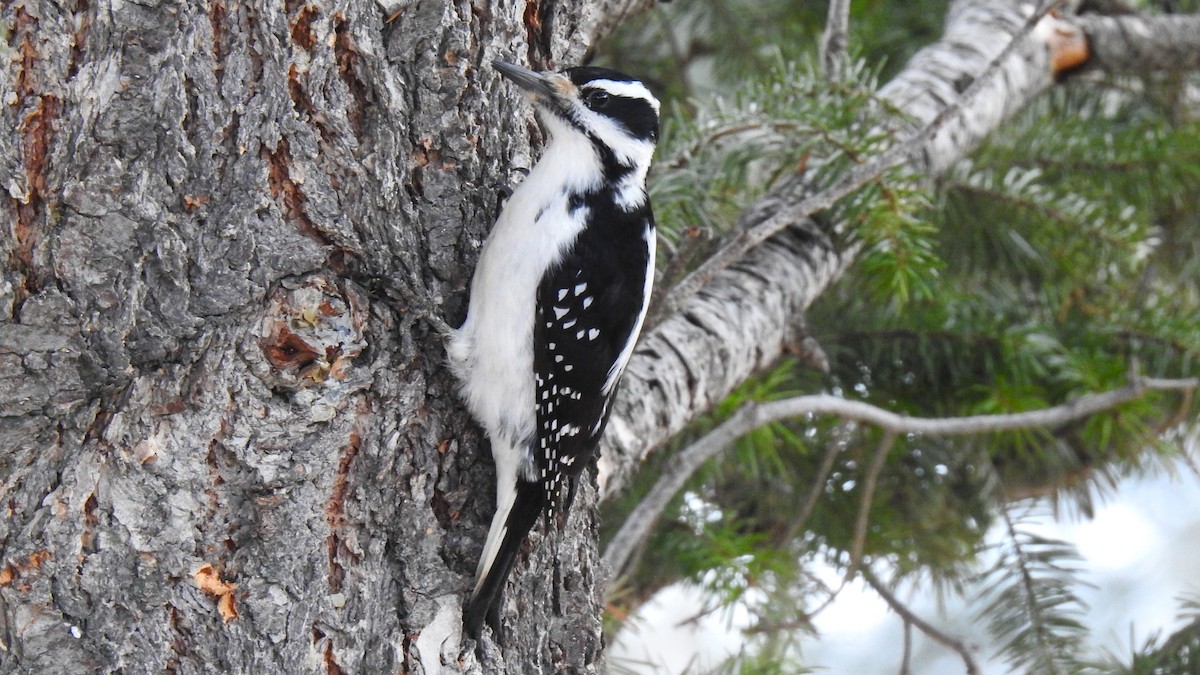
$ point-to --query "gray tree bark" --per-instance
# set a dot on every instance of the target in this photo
(229, 442)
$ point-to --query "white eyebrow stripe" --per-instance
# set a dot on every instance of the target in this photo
(626, 89)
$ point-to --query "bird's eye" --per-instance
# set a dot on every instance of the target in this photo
(597, 99)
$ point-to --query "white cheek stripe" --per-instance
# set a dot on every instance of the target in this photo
(626, 89)
(629, 151)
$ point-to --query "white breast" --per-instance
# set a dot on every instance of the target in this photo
(492, 353)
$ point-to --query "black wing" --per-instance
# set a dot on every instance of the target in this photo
(587, 307)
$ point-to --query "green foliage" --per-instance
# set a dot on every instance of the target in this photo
(899, 260)
(1059, 274)
(689, 48)
(784, 125)
(1030, 605)
(1064, 255)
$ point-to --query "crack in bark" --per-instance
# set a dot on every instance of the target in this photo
(87, 539)
(302, 33)
(537, 17)
(282, 186)
(79, 39)
(304, 106)
(216, 19)
(347, 59)
(335, 511)
(37, 134)
(329, 659)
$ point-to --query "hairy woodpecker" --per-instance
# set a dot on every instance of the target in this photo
(557, 302)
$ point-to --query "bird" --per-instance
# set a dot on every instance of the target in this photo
(557, 302)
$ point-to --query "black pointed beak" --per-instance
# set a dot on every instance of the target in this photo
(531, 82)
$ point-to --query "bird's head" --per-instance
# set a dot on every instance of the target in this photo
(615, 112)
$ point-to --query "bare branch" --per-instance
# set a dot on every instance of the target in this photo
(754, 415)
(815, 489)
(906, 658)
(911, 619)
(868, 495)
(834, 40)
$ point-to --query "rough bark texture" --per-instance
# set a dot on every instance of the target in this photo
(229, 444)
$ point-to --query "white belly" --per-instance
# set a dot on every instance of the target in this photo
(492, 353)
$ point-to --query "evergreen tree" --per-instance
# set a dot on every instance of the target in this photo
(1057, 261)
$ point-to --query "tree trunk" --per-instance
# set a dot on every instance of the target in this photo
(230, 442)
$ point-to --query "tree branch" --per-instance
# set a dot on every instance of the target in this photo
(744, 318)
(863, 518)
(1142, 43)
(747, 316)
(818, 482)
(834, 40)
(911, 619)
(747, 237)
(754, 415)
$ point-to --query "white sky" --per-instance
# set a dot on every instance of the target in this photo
(1140, 553)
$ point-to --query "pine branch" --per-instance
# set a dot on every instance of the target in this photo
(853, 180)
(754, 415)
(1032, 602)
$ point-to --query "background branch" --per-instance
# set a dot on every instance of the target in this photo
(863, 518)
(835, 39)
(1120, 44)
(754, 415)
(747, 237)
(911, 619)
(747, 315)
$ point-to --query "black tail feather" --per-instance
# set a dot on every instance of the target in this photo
(530, 502)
